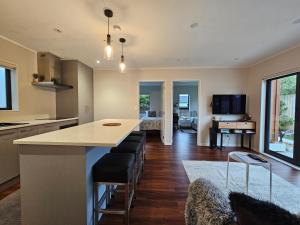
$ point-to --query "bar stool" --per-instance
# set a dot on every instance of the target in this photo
(140, 139)
(136, 149)
(143, 135)
(113, 170)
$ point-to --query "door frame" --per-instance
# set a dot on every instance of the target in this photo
(163, 130)
(199, 106)
(296, 155)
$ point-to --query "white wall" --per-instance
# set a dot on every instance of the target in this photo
(284, 63)
(116, 95)
(32, 100)
(155, 97)
(191, 90)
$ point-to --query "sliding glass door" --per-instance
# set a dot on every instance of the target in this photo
(282, 118)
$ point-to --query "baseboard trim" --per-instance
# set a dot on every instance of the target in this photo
(6, 185)
(282, 161)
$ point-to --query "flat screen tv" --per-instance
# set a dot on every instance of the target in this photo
(229, 104)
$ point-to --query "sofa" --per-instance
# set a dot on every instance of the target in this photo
(207, 205)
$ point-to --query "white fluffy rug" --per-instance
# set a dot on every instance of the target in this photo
(284, 193)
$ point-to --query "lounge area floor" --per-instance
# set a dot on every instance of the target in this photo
(162, 192)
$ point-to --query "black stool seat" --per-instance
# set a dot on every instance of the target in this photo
(115, 168)
(138, 133)
(128, 147)
(135, 139)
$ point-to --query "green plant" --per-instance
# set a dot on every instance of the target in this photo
(285, 122)
(144, 102)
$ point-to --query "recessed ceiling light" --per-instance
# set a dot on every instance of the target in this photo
(297, 21)
(98, 61)
(57, 30)
(117, 27)
(194, 25)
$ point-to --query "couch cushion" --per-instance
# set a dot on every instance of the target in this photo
(250, 211)
(207, 205)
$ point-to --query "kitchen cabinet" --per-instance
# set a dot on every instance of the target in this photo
(9, 153)
(9, 156)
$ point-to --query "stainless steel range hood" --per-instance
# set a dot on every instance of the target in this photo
(50, 68)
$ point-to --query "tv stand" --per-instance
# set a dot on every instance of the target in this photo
(241, 128)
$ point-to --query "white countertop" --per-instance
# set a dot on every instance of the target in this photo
(35, 123)
(90, 134)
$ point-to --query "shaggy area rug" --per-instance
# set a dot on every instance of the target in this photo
(10, 209)
(285, 194)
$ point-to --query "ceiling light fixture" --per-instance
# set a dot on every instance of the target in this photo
(108, 51)
(57, 30)
(297, 21)
(98, 61)
(117, 27)
(122, 62)
(194, 25)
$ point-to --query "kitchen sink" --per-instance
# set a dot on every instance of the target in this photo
(11, 124)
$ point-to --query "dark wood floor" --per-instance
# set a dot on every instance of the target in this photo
(162, 192)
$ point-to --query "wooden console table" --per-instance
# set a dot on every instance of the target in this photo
(232, 127)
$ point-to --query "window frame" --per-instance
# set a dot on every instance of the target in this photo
(296, 156)
(8, 93)
(188, 103)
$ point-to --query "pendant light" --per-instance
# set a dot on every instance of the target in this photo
(108, 51)
(122, 62)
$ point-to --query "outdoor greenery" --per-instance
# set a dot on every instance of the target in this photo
(144, 103)
(287, 87)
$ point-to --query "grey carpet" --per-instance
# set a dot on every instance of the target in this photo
(10, 209)
(284, 193)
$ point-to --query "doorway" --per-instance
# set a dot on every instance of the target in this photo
(185, 112)
(151, 108)
(282, 128)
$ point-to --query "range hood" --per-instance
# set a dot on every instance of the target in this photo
(50, 72)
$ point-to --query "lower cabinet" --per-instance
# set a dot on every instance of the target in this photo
(9, 153)
(9, 156)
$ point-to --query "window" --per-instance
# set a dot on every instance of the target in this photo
(5, 89)
(184, 100)
(144, 103)
(282, 125)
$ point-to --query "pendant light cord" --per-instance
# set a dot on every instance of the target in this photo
(108, 25)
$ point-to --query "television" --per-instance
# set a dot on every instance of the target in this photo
(229, 104)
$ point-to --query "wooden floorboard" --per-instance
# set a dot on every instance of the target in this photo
(162, 192)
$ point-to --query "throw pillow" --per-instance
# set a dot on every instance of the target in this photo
(250, 211)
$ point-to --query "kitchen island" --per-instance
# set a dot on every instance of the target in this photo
(56, 171)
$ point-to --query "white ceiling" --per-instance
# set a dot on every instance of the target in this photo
(231, 33)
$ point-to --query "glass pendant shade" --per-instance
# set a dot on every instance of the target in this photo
(122, 65)
(108, 51)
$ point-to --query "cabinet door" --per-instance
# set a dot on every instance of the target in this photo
(9, 156)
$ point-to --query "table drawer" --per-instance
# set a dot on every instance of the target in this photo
(227, 125)
(245, 125)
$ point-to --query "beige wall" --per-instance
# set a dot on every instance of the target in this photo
(116, 95)
(32, 100)
(284, 63)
